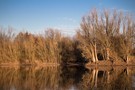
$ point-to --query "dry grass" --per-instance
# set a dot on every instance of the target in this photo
(27, 48)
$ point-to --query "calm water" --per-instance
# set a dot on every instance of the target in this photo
(67, 78)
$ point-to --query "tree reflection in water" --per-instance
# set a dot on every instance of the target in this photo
(67, 78)
(29, 78)
(117, 78)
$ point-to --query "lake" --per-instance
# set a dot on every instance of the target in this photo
(67, 78)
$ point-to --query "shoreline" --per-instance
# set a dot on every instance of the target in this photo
(89, 64)
(71, 64)
(28, 64)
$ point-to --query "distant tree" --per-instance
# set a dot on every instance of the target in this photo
(67, 50)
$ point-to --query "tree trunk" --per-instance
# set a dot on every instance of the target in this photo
(93, 57)
(127, 59)
(95, 53)
(107, 54)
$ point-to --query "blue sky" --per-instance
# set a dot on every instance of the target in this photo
(37, 15)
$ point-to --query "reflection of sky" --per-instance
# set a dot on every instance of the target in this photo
(36, 15)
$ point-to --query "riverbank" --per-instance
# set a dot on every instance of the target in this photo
(17, 64)
(110, 63)
(90, 64)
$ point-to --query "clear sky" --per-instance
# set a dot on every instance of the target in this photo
(37, 15)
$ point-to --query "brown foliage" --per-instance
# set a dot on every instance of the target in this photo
(109, 33)
(28, 48)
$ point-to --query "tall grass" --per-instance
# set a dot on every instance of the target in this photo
(27, 48)
(8, 49)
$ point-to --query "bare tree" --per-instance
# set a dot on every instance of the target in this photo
(107, 31)
(87, 36)
(127, 38)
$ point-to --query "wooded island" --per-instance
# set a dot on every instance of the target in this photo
(104, 38)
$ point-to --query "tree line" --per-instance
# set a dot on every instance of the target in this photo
(107, 35)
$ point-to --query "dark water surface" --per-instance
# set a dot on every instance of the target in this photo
(67, 78)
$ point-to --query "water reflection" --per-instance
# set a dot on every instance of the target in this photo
(115, 78)
(67, 78)
(71, 77)
(29, 78)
